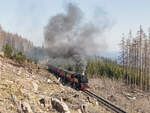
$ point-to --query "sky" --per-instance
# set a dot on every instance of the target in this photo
(28, 17)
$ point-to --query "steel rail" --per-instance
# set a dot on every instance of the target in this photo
(105, 102)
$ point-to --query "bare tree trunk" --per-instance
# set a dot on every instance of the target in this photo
(140, 57)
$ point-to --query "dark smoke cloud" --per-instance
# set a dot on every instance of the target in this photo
(68, 36)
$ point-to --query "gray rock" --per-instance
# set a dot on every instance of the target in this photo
(46, 102)
(60, 106)
(36, 109)
(79, 111)
(14, 99)
(27, 95)
(49, 81)
(35, 86)
(17, 103)
(84, 108)
(21, 107)
(26, 108)
(2, 54)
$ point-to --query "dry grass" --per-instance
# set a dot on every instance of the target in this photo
(116, 91)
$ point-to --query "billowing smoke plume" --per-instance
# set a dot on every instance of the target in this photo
(68, 36)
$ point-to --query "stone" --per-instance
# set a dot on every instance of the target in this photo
(10, 106)
(91, 100)
(19, 72)
(49, 81)
(60, 106)
(2, 54)
(97, 103)
(42, 101)
(111, 98)
(35, 86)
(17, 103)
(79, 111)
(58, 79)
(14, 99)
(26, 108)
(84, 108)
(46, 102)
(76, 96)
(27, 95)
(36, 109)
(21, 108)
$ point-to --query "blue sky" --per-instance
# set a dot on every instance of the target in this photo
(28, 17)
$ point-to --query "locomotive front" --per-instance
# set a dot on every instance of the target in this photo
(84, 82)
(81, 81)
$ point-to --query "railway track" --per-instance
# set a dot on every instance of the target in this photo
(105, 102)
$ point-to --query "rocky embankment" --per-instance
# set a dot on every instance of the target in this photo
(29, 88)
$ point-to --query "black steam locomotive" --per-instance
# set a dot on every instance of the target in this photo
(76, 80)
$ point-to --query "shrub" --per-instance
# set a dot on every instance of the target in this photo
(8, 51)
(19, 57)
(30, 60)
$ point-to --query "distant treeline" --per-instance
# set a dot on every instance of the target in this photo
(15, 41)
(20, 44)
(98, 67)
(104, 67)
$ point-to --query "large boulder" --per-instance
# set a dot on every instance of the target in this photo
(60, 106)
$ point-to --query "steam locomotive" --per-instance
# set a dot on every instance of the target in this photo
(77, 81)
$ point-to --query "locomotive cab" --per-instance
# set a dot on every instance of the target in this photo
(81, 78)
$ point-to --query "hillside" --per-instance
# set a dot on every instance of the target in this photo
(29, 88)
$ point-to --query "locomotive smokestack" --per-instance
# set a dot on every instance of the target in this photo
(68, 36)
